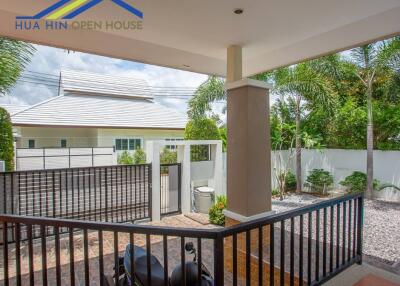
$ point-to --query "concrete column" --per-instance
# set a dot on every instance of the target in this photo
(184, 159)
(153, 156)
(249, 150)
(234, 64)
(216, 157)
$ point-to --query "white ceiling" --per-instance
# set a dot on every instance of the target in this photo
(181, 33)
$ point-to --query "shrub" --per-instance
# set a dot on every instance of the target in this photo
(357, 182)
(6, 140)
(275, 192)
(201, 129)
(125, 158)
(139, 157)
(168, 157)
(290, 182)
(215, 213)
(319, 181)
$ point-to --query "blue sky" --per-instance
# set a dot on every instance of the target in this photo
(51, 60)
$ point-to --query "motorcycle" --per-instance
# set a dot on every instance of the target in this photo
(139, 277)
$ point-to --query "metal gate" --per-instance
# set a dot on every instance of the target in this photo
(170, 186)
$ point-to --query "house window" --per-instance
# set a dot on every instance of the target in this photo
(63, 143)
(128, 144)
(172, 147)
(31, 143)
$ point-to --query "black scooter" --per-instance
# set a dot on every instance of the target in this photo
(139, 277)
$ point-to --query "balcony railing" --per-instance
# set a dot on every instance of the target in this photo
(306, 246)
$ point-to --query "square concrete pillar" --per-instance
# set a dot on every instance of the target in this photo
(249, 150)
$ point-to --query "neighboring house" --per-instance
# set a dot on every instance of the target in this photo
(98, 111)
(13, 108)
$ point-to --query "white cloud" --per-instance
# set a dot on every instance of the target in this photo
(51, 60)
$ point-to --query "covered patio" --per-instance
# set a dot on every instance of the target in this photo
(236, 40)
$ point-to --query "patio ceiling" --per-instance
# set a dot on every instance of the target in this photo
(193, 35)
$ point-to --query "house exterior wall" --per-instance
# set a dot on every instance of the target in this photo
(106, 137)
(51, 137)
(88, 137)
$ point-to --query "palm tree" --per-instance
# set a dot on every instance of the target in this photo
(369, 61)
(305, 82)
(208, 92)
(14, 56)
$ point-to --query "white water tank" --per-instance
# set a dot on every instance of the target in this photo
(203, 199)
(2, 166)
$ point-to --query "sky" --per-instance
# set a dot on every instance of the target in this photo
(50, 60)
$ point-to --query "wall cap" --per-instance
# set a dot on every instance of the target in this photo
(247, 82)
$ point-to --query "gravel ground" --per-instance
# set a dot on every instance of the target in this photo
(381, 228)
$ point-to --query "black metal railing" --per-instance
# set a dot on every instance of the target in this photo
(305, 246)
(170, 188)
(109, 194)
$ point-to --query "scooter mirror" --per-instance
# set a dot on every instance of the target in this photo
(189, 247)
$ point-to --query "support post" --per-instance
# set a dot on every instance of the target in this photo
(153, 157)
(184, 159)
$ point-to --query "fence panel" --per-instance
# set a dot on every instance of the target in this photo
(108, 194)
(170, 185)
(56, 158)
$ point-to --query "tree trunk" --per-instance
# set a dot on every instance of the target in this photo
(370, 145)
(298, 145)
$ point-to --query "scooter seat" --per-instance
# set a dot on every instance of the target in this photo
(140, 267)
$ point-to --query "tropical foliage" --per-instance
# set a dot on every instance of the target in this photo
(215, 213)
(168, 156)
(14, 56)
(6, 140)
(139, 157)
(357, 182)
(319, 181)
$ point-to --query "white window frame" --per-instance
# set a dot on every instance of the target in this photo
(173, 139)
(128, 138)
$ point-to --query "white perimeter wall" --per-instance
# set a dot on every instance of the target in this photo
(341, 163)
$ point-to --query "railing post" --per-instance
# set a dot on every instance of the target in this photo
(360, 222)
(219, 260)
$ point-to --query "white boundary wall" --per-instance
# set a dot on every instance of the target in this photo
(59, 158)
(341, 163)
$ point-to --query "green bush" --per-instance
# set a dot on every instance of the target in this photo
(201, 129)
(290, 182)
(275, 192)
(357, 182)
(125, 158)
(215, 213)
(6, 140)
(319, 181)
(168, 157)
(139, 157)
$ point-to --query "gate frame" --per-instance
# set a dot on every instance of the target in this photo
(153, 149)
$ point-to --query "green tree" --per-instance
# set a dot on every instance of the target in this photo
(207, 93)
(305, 83)
(14, 56)
(6, 140)
(201, 129)
(369, 61)
(168, 157)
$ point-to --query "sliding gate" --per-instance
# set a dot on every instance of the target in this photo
(170, 186)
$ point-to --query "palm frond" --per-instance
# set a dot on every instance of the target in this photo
(14, 57)
(208, 92)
